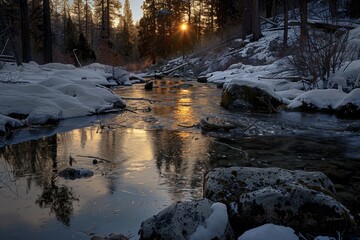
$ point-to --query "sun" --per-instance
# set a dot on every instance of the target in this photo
(183, 27)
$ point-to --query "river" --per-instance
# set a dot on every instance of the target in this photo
(155, 154)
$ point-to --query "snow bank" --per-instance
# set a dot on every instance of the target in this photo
(325, 99)
(347, 78)
(290, 94)
(48, 93)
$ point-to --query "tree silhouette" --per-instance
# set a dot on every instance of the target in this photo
(59, 200)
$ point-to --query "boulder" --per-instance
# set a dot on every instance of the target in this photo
(349, 107)
(202, 79)
(149, 85)
(302, 200)
(74, 173)
(348, 110)
(250, 96)
(189, 220)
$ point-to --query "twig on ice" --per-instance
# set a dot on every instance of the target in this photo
(141, 99)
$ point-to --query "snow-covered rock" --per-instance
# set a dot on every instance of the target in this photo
(302, 200)
(290, 94)
(349, 106)
(269, 231)
(250, 95)
(319, 99)
(8, 123)
(200, 219)
(328, 100)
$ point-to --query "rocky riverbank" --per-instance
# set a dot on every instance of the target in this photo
(238, 199)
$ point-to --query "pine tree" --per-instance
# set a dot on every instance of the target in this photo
(147, 30)
(128, 31)
(70, 35)
(128, 17)
(86, 54)
(78, 10)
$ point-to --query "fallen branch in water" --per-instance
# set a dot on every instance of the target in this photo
(188, 126)
(249, 126)
(141, 99)
(235, 148)
(129, 110)
(97, 158)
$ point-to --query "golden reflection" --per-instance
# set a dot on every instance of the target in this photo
(184, 112)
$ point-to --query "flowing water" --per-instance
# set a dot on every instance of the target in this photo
(153, 155)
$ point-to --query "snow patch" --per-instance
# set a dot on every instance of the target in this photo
(215, 224)
(269, 231)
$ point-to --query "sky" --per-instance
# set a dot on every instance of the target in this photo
(136, 8)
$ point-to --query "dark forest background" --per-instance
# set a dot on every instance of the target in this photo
(104, 30)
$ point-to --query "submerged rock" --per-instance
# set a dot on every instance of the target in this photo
(188, 220)
(149, 85)
(74, 173)
(302, 200)
(349, 107)
(215, 124)
(202, 79)
(251, 96)
(110, 237)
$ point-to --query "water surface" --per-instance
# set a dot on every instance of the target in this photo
(155, 154)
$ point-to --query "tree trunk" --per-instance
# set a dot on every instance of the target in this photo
(108, 18)
(269, 6)
(86, 18)
(25, 33)
(102, 19)
(189, 11)
(246, 23)
(286, 16)
(64, 22)
(79, 16)
(303, 24)
(256, 27)
(47, 32)
(355, 9)
(333, 7)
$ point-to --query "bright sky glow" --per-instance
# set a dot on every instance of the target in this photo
(136, 8)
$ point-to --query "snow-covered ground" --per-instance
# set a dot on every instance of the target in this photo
(35, 94)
